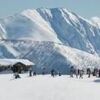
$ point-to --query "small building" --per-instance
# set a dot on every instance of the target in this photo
(16, 65)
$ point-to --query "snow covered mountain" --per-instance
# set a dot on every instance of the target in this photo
(51, 38)
(49, 55)
(96, 21)
(57, 25)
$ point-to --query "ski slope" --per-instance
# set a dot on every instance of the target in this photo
(48, 88)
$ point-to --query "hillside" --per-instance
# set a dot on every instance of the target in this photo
(56, 24)
(42, 35)
(50, 55)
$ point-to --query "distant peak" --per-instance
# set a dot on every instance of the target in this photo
(96, 20)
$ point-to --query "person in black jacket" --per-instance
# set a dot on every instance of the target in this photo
(72, 71)
(89, 72)
(16, 75)
(77, 72)
(30, 71)
(99, 73)
(81, 72)
(34, 73)
(53, 72)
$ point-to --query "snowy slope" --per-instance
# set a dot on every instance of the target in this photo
(48, 88)
(53, 55)
(38, 34)
(72, 29)
(56, 24)
(28, 25)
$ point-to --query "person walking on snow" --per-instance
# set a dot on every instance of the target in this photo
(72, 71)
(30, 71)
(89, 72)
(81, 72)
(77, 72)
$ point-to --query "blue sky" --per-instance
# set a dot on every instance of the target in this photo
(85, 8)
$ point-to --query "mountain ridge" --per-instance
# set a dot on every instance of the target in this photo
(33, 34)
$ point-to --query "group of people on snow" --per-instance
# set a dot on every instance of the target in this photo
(31, 72)
(53, 72)
(79, 72)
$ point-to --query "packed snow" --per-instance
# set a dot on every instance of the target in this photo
(48, 88)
